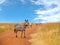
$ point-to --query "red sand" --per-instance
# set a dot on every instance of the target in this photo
(8, 37)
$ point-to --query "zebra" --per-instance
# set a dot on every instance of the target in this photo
(22, 27)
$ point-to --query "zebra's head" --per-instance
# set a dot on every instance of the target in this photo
(27, 23)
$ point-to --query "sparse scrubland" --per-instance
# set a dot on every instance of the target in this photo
(6, 26)
(47, 34)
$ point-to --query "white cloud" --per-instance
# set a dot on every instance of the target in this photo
(49, 15)
(49, 11)
(2, 1)
(38, 2)
(47, 2)
(23, 1)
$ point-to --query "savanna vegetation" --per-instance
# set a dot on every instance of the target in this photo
(6, 26)
(47, 34)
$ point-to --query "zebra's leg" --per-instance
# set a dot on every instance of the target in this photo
(16, 34)
(21, 33)
(24, 34)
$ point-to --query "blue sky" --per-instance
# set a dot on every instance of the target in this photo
(39, 11)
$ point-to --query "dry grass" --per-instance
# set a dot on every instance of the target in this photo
(6, 26)
(47, 34)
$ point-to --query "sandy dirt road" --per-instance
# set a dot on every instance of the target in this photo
(8, 37)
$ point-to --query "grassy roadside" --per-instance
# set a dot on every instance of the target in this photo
(47, 34)
(6, 26)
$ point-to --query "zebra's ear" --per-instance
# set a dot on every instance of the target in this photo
(26, 20)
